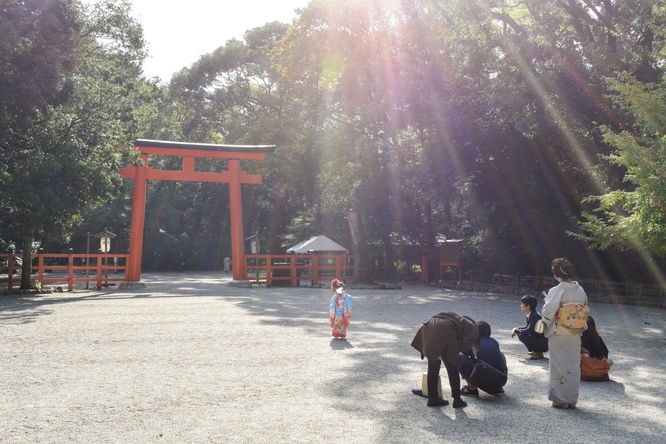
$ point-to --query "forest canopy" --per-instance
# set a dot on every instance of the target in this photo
(529, 130)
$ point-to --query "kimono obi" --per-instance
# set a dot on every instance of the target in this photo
(571, 318)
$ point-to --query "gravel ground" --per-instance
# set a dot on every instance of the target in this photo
(191, 359)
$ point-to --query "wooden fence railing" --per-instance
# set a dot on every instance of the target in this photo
(103, 269)
(96, 269)
(291, 269)
(623, 292)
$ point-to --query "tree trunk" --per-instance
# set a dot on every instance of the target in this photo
(26, 269)
(358, 247)
(428, 250)
(389, 269)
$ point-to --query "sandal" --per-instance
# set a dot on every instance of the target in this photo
(468, 391)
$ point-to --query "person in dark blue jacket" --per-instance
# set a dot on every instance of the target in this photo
(489, 352)
(536, 343)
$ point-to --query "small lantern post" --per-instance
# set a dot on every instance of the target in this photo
(105, 247)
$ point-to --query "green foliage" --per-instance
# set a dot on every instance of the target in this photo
(64, 144)
(472, 119)
(486, 121)
(634, 217)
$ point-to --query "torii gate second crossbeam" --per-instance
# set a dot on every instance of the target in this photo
(189, 152)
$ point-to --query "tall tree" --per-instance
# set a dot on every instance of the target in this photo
(633, 216)
(446, 99)
(62, 148)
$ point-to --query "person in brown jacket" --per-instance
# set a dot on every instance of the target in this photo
(440, 339)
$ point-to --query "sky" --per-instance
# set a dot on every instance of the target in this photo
(178, 33)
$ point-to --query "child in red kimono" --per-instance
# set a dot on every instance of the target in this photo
(339, 309)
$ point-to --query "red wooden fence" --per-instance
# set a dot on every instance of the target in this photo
(98, 269)
(103, 269)
(292, 269)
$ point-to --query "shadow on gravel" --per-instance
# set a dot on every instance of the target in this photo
(21, 310)
(340, 344)
(384, 324)
(380, 367)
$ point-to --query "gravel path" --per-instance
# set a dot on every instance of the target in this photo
(190, 359)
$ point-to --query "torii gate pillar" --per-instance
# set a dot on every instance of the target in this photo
(238, 263)
(133, 272)
(189, 152)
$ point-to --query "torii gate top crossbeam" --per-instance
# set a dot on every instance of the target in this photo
(207, 150)
(189, 152)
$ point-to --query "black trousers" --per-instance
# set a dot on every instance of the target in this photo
(433, 376)
(534, 343)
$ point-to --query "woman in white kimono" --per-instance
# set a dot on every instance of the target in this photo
(565, 314)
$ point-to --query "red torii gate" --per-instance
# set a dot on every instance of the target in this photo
(189, 152)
